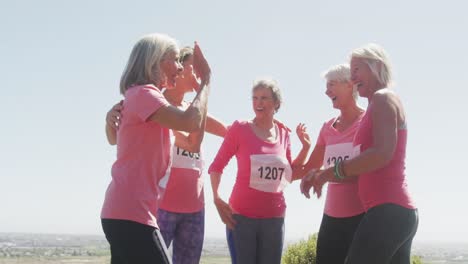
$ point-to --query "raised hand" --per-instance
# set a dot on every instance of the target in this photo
(200, 65)
(301, 131)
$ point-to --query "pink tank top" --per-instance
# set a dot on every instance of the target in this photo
(342, 198)
(387, 184)
(184, 190)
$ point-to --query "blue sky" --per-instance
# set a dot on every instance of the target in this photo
(62, 61)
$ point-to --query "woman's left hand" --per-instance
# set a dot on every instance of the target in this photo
(301, 131)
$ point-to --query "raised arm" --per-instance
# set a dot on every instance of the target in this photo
(190, 141)
(299, 161)
(192, 118)
(303, 136)
(315, 161)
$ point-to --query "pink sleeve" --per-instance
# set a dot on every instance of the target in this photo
(321, 137)
(227, 149)
(145, 102)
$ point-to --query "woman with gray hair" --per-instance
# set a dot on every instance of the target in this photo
(128, 215)
(343, 210)
(386, 231)
(256, 210)
(181, 213)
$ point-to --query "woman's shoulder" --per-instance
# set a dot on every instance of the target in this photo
(240, 123)
(144, 88)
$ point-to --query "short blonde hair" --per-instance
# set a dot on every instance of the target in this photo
(338, 72)
(273, 86)
(341, 73)
(377, 60)
(144, 62)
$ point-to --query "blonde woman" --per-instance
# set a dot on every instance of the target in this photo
(386, 231)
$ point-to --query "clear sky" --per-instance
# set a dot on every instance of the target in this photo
(61, 63)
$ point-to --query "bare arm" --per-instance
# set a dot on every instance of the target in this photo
(112, 122)
(215, 127)
(299, 161)
(190, 141)
(215, 178)
(192, 118)
(384, 114)
(111, 135)
(224, 210)
(385, 135)
(315, 162)
(189, 120)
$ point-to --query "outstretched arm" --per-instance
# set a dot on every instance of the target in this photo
(215, 127)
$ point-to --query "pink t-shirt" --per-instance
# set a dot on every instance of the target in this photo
(143, 153)
(342, 198)
(259, 163)
(184, 190)
(387, 184)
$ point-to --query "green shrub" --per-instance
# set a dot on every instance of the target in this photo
(302, 252)
(416, 260)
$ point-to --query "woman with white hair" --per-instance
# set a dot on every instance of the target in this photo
(386, 231)
(343, 209)
(256, 210)
(128, 215)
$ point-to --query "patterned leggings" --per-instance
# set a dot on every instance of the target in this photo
(186, 232)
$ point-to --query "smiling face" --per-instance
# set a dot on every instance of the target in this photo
(363, 78)
(263, 102)
(170, 68)
(340, 92)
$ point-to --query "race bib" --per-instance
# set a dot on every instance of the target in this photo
(269, 173)
(184, 159)
(339, 152)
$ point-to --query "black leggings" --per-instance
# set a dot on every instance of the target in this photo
(384, 236)
(134, 243)
(335, 237)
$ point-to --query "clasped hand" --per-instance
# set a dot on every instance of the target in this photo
(314, 178)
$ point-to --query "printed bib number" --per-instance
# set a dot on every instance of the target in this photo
(339, 152)
(182, 158)
(269, 173)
